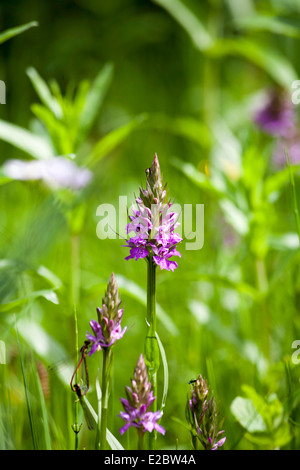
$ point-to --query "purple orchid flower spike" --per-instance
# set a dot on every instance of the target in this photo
(153, 223)
(139, 399)
(107, 330)
(203, 417)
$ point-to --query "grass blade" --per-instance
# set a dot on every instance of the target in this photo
(12, 32)
(295, 204)
(24, 140)
(95, 99)
(27, 395)
(42, 407)
(43, 92)
(189, 21)
(114, 138)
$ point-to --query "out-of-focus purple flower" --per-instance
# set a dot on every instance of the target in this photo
(277, 117)
(203, 417)
(293, 148)
(139, 399)
(56, 172)
(153, 223)
(107, 331)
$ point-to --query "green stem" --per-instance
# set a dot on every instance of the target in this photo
(75, 283)
(101, 442)
(262, 283)
(27, 395)
(141, 439)
(294, 194)
(151, 301)
(75, 269)
(152, 351)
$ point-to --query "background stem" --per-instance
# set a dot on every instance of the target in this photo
(75, 283)
(75, 269)
(76, 425)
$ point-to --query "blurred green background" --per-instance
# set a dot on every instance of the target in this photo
(183, 79)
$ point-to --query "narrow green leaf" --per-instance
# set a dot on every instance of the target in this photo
(235, 216)
(59, 134)
(114, 138)
(2, 352)
(43, 92)
(271, 441)
(27, 395)
(50, 276)
(272, 24)
(268, 59)
(24, 140)
(166, 373)
(200, 179)
(181, 423)
(225, 281)
(184, 126)
(285, 241)
(271, 61)
(10, 33)
(189, 21)
(99, 400)
(42, 407)
(48, 294)
(294, 194)
(151, 355)
(94, 99)
(278, 180)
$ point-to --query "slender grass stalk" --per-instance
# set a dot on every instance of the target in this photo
(296, 211)
(4, 406)
(27, 395)
(75, 289)
(286, 364)
(263, 286)
(75, 269)
(76, 426)
(291, 411)
(43, 409)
